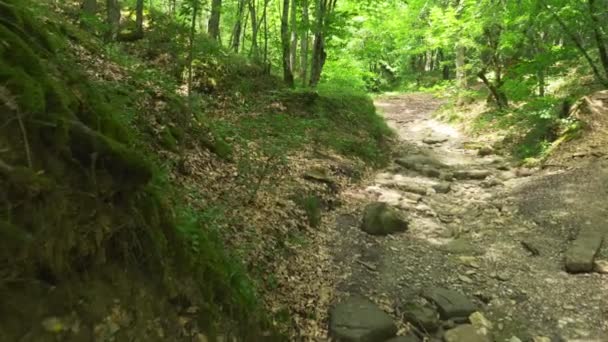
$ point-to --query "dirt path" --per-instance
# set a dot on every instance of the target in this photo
(469, 239)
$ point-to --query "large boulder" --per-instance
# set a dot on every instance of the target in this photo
(380, 219)
(359, 320)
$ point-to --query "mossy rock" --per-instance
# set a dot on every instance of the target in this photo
(380, 219)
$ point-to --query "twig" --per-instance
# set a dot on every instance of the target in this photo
(366, 265)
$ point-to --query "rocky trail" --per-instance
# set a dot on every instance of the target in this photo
(457, 244)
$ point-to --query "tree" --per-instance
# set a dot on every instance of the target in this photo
(285, 43)
(213, 27)
(235, 41)
(304, 43)
(294, 37)
(139, 20)
(113, 19)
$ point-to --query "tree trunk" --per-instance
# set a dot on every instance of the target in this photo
(293, 57)
(139, 19)
(318, 48)
(499, 96)
(265, 16)
(255, 51)
(191, 47)
(602, 48)
(304, 43)
(238, 26)
(285, 44)
(113, 19)
(213, 27)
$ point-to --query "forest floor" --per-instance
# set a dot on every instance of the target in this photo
(480, 226)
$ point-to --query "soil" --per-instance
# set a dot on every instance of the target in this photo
(499, 240)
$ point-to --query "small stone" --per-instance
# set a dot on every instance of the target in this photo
(450, 303)
(442, 188)
(485, 151)
(541, 339)
(490, 183)
(465, 279)
(502, 276)
(358, 319)
(472, 174)
(460, 246)
(407, 338)
(600, 266)
(515, 339)
(569, 307)
(380, 219)
(465, 333)
(434, 140)
(524, 172)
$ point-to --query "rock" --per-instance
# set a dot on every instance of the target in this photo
(380, 219)
(359, 320)
(582, 252)
(430, 172)
(514, 339)
(451, 304)
(465, 333)
(434, 140)
(460, 246)
(472, 174)
(481, 323)
(416, 162)
(413, 188)
(541, 339)
(490, 183)
(422, 317)
(485, 151)
(465, 279)
(524, 172)
(320, 175)
(407, 338)
(442, 188)
(601, 266)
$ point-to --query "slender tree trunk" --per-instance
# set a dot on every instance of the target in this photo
(238, 26)
(265, 15)
(191, 48)
(139, 19)
(285, 44)
(499, 96)
(318, 48)
(599, 37)
(113, 19)
(213, 27)
(293, 57)
(304, 43)
(255, 50)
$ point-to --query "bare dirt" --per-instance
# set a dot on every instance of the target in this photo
(499, 240)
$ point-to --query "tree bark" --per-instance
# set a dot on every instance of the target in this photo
(318, 48)
(113, 19)
(255, 51)
(139, 19)
(293, 57)
(191, 47)
(599, 37)
(499, 96)
(304, 43)
(238, 26)
(285, 44)
(213, 27)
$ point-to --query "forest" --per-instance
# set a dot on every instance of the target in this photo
(303, 170)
